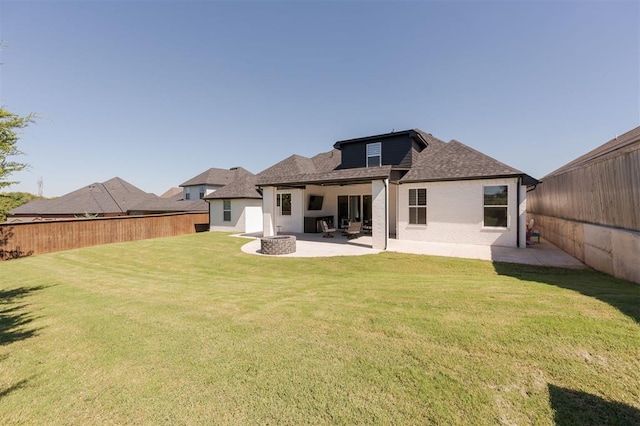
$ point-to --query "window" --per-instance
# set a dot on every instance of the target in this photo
(202, 191)
(374, 154)
(226, 210)
(187, 196)
(283, 201)
(418, 206)
(495, 206)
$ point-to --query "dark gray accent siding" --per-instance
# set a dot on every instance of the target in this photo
(396, 151)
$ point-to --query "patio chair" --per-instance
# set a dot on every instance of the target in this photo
(353, 231)
(328, 232)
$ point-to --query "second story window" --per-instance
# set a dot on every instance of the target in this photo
(202, 191)
(374, 154)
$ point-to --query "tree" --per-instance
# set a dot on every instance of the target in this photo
(10, 123)
(11, 200)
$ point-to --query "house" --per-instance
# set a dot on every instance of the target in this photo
(589, 207)
(236, 207)
(406, 185)
(114, 197)
(209, 181)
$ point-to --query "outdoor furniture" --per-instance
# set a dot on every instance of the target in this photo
(353, 231)
(328, 232)
(366, 227)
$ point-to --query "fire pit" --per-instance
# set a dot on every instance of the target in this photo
(280, 244)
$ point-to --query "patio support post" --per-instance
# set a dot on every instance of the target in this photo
(380, 214)
(268, 211)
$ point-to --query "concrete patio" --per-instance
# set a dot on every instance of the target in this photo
(315, 245)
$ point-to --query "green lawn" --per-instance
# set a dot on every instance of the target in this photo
(189, 330)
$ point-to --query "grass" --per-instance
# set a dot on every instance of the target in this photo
(189, 330)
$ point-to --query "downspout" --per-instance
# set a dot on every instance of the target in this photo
(518, 211)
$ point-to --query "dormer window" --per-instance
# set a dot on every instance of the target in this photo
(374, 154)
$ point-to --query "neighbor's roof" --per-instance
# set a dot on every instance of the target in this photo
(214, 176)
(172, 193)
(456, 161)
(629, 140)
(169, 205)
(244, 186)
(113, 196)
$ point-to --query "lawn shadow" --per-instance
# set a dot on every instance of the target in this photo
(571, 407)
(6, 233)
(14, 387)
(15, 318)
(622, 295)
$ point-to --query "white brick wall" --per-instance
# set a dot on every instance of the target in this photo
(455, 213)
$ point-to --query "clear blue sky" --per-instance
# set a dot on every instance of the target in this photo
(156, 92)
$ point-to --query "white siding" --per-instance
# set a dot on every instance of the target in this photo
(455, 213)
(194, 191)
(246, 216)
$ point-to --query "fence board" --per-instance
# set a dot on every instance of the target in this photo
(20, 239)
(601, 192)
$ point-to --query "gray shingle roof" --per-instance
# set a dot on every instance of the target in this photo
(172, 193)
(213, 176)
(112, 196)
(169, 205)
(453, 161)
(290, 166)
(437, 161)
(297, 168)
(244, 186)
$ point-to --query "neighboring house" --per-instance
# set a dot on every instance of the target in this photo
(209, 181)
(590, 207)
(407, 185)
(115, 197)
(236, 207)
(173, 193)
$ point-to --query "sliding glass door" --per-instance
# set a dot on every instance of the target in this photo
(353, 208)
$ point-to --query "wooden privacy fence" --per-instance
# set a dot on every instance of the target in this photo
(24, 239)
(601, 192)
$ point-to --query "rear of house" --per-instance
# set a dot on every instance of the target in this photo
(407, 185)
